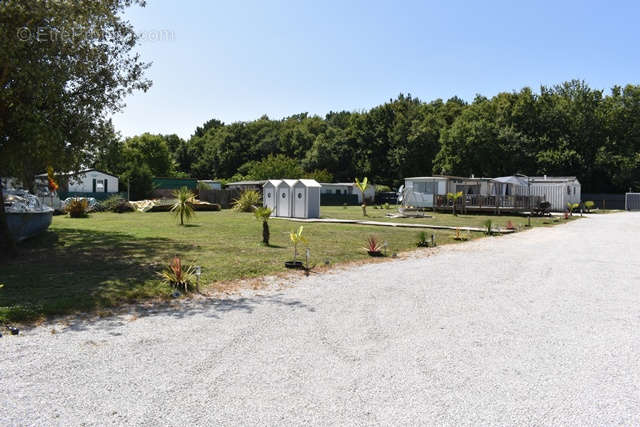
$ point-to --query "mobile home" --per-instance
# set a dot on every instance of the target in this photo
(557, 190)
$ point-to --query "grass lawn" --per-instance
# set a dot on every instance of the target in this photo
(437, 218)
(89, 264)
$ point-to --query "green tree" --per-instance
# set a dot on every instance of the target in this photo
(67, 66)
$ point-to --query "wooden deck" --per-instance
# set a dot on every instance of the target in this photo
(487, 204)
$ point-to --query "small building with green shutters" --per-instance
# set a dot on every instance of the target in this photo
(85, 183)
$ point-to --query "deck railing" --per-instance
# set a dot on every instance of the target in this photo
(475, 201)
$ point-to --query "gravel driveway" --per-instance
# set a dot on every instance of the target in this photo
(541, 327)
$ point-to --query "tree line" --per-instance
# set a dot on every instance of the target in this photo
(567, 129)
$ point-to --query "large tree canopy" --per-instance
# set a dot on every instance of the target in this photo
(66, 66)
(568, 129)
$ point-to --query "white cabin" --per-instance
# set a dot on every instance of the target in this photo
(557, 190)
(306, 199)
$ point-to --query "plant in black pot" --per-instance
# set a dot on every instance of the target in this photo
(296, 238)
(373, 246)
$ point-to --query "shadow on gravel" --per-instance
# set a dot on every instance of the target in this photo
(184, 309)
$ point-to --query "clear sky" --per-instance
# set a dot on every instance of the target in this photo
(238, 60)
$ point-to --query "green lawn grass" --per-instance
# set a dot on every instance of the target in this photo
(437, 218)
(107, 259)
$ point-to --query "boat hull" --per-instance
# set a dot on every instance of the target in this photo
(23, 225)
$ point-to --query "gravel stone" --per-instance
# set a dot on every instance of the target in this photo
(537, 328)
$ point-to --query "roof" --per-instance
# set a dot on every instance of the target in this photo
(553, 178)
(336, 184)
(261, 182)
(274, 182)
(515, 180)
(81, 172)
(466, 178)
(289, 182)
(310, 183)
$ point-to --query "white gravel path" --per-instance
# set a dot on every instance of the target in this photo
(536, 328)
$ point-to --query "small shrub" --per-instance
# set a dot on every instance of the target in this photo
(116, 204)
(375, 206)
(423, 240)
(206, 207)
(122, 207)
(344, 206)
(296, 238)
(589, 205)
(373, 245)
(177, 276)
(488, 225)
(386, 206)
(77, 208)
(247, 201)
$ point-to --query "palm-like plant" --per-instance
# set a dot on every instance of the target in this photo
(454, 197)
(572, 207)
(362, 186)
(263, 214)
(178, 276)
(183, 208)
(296, 238)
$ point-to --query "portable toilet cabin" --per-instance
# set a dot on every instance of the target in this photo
(306, 199)
(284, 192)
(269, 190)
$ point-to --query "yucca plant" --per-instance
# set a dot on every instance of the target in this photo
(183, 207)
(423, 240)
(362, 186)
(454, 197)
(488, 224)
(373, 245)
(178, 276)
(296, 238)
(263, 214)
(247, 201)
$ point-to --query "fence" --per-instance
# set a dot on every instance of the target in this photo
(224, 198)
(605, 200)
(632, 202)
(161, 183)
(329, 199)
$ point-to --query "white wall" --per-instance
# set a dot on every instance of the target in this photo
(84, 183)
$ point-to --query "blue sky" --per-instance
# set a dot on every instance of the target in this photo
(236, 61)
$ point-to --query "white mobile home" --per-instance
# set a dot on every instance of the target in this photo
(557, 190)
(420, 192)
(84, 181)
(348, 188)
(306, 199)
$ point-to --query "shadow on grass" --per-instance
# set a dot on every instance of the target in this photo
(65, 271)
(186, 308)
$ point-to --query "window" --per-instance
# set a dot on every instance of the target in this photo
(299, 195)
(425, 187)
(268, 195)
(100, 185)
(284, 195)
(568, 190)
